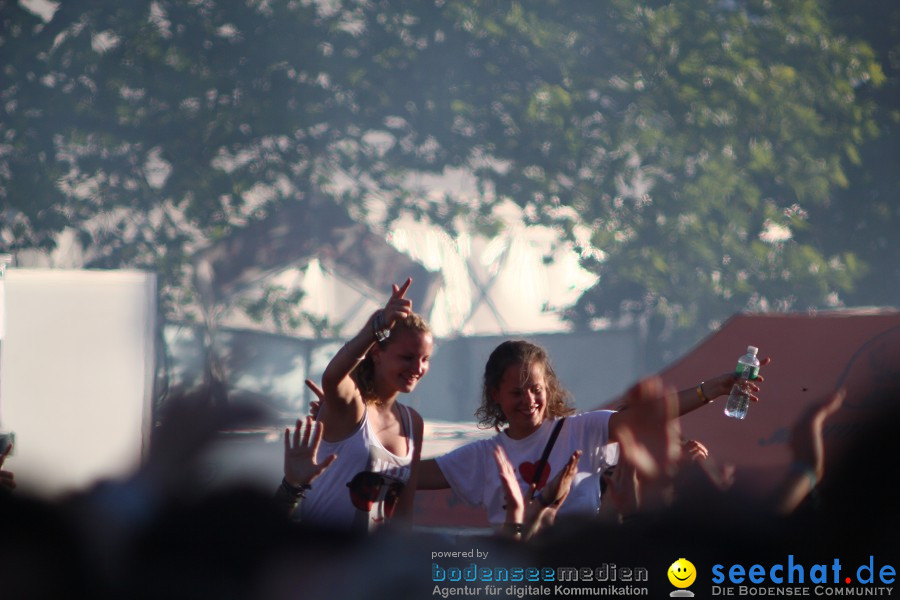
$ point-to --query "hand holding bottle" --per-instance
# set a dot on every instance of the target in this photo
(747, 369)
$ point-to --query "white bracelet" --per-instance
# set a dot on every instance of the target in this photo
(381, 331)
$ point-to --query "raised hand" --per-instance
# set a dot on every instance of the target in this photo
(512, 493)
(557, 489)
(7, 479)
(648, 433)
(533, 513)
(300, 466)
(397, 307)
(721, 385)
(694, 450)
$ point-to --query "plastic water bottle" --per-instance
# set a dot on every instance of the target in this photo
(739, 399)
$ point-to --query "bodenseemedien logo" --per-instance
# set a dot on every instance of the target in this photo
(682, 574)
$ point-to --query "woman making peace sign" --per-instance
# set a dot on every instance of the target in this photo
(377, 440)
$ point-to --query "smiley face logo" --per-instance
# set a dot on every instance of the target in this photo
(682, 573)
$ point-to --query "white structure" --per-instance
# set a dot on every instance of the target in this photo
(76, 374)
(516, 282)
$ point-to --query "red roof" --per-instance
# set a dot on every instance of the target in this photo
(812, 355)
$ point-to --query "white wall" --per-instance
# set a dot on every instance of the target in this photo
(76, 374)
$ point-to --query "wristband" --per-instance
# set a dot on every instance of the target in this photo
(701, 395)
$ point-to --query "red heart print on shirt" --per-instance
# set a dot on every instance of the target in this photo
(527, 470)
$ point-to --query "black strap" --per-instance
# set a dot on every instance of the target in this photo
(539, 467)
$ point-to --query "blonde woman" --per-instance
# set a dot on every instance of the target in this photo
(376, 439)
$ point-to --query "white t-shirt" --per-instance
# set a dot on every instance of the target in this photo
(360, 490)
(472, 472)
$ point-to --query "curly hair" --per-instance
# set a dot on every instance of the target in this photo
(364, 374)
(524, 353)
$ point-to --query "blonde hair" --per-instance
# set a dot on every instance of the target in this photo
(524, 353)
(364, 374)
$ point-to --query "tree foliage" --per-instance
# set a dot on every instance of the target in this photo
(694, 152)
(864, 217)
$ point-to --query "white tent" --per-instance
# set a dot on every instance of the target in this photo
(516, 282)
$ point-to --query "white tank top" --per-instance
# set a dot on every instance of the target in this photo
(360, 490)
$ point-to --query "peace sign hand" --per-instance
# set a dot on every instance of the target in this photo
(315, 405)
(397, 307)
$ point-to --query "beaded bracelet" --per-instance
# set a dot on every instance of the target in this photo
(297, 491)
